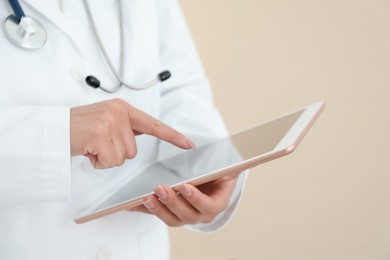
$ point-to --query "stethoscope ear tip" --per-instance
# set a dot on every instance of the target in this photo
(163, 76)
(92, 81)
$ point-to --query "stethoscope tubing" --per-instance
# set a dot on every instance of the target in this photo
(18, 22)
(17, 8)
(160, 77)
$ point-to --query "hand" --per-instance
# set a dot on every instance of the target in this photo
(105, 132)
(192, 204)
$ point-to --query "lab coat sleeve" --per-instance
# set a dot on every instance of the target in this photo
(34, 154)
(187, 103)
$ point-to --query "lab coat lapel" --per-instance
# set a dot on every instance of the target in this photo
(49, 10)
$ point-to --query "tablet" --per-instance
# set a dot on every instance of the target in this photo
(236, 153)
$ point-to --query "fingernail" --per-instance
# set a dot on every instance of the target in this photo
(186, 190)
(190, 144)
(161, 193)
(148, 204)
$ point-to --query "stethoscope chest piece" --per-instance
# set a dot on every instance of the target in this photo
(26, 33)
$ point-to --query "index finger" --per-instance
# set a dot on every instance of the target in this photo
(143, 123)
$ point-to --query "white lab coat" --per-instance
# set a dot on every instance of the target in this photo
(42, 188)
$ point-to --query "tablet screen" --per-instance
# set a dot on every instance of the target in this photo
(204, 160)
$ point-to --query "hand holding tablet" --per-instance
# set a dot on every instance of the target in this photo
(236, 153)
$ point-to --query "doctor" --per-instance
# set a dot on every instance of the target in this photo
(64, 143)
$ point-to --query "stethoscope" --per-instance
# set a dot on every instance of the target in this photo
(27, 33)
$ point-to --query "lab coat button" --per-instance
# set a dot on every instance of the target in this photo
(77, 74)
(104, 253)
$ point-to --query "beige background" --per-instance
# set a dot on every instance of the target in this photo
(331, 198)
